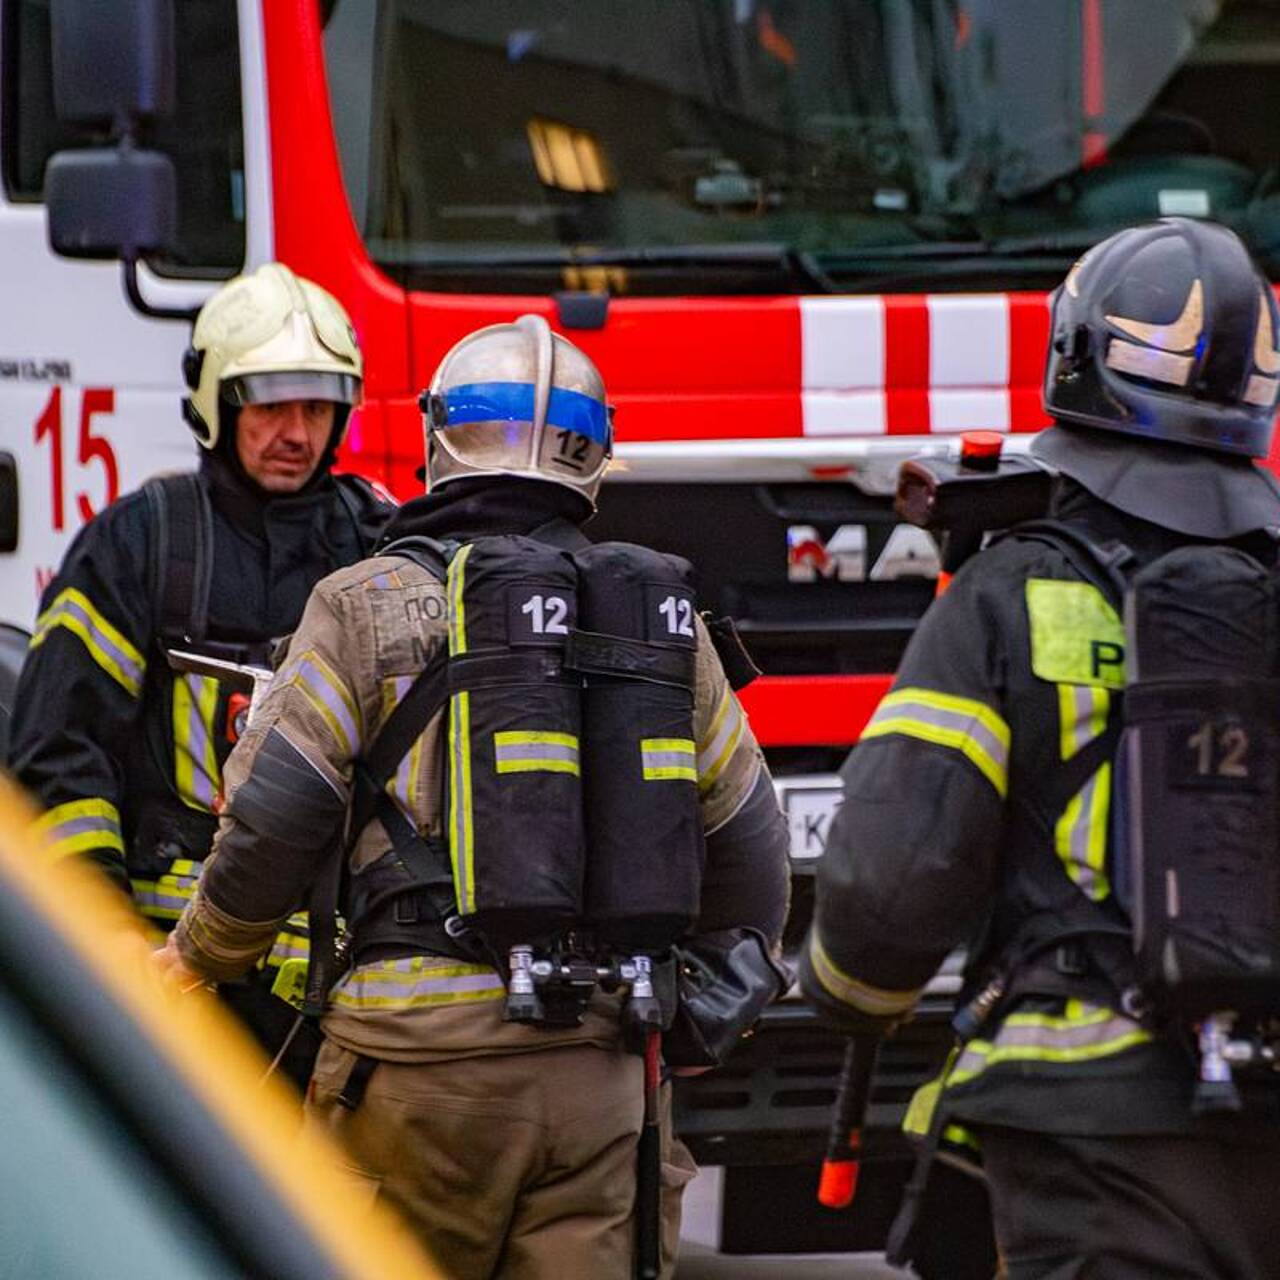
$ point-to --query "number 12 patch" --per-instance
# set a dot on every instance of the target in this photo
(669, 615)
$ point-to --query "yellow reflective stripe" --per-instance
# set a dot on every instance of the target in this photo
(1082, 716)
(196, 773)
(166, 897)
(535, 751)
(1081, 1034)
(416, 983)
(410, 771)
(292, 944)
(960, 1137)
(78, 825)
(1076, 636)
(878, 1001)
(965, 725)
(403, 784)
(668, 759)
(328, 694)
(461, 828)
(109, 648)
(717, 747)
(1080, 835)
(68, 845)
(92, 807)
(457, 607)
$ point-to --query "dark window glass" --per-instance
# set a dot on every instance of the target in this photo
(669, 146)
(203, 137)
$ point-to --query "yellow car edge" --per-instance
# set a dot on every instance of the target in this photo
(73, 950)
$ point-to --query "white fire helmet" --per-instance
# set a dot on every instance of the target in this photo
(518, 400)
(267, 337)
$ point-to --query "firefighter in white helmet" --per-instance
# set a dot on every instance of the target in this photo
(504, 1126)
(124, 752)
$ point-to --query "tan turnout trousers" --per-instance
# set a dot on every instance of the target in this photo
(518, 1167)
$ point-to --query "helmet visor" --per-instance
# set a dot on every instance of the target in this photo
(290, 384)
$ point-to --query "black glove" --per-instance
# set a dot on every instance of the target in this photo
(844, 1018)
(725, 981)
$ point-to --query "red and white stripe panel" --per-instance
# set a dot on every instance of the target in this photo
(912, 364)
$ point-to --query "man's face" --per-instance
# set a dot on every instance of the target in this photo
(280, 445)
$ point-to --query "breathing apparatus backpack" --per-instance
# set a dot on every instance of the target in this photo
(574, 850)
(1195, 814)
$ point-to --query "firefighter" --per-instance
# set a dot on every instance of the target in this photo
(511, 1147)
(125, 753)
(977, 801)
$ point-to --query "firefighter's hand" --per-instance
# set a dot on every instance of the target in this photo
(173, 968)
(845, 1018)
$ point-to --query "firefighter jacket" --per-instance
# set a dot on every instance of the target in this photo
(124, 753)
(367, 631)
(954, 832)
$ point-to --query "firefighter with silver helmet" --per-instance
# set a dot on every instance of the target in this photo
(1031, 788)
(550, 789)
(124, 752)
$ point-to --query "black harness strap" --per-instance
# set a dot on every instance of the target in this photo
(424, 698)
(1102, 566)
(353, 1091)
(343, 484)
(623, 658)
(402, 728)
(181, 559)
(562, 533)
(1056, 957)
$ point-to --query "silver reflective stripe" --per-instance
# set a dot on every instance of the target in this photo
(1085, 1032)
(201, 783)
(106, 645)
(288, 947)
(77, 825)
(196, 771)
(521, 752)
(333, 696)
(82, 826)
(165, 898)
(1081, 835)
(416, 982)
(668, 758)
(715, 750)
(1082, 711)
(399, 785)
(957, 722)
(460, 850)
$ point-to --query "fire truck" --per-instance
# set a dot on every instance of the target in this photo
(803, 240)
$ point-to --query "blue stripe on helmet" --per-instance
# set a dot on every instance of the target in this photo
(513, 402)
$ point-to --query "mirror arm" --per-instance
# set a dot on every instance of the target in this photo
(129, 275)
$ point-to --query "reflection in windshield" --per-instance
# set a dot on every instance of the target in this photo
(696, 145)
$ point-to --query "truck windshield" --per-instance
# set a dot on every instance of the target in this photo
(681, 146)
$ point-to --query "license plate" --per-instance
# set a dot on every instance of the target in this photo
(809, 804)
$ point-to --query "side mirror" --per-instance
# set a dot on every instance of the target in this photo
(115, 65)
(111, 202)
(8, 502)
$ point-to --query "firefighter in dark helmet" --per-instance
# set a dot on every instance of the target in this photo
(526, 810)
(981, 800)
(125, 752)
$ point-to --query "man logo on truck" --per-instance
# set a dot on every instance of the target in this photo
(908, 552)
